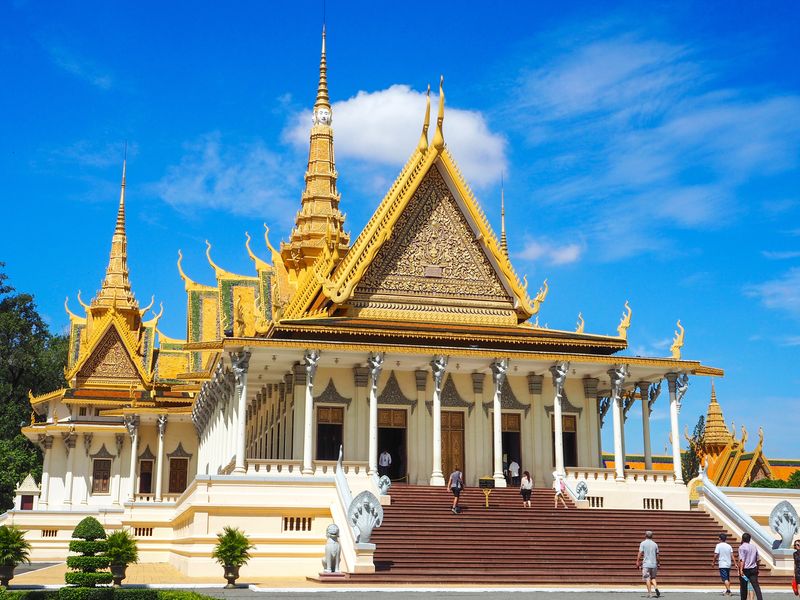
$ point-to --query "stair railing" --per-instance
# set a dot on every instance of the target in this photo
(347, 540)
(732, 516)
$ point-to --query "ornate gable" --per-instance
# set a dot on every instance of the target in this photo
(432, 267)
(110, 363)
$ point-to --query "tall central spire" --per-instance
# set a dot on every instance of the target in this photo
(319, 222)
(116, 288)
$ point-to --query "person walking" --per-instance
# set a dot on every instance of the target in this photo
(723, 557)
(526, 489)
(513, 471)
(456, 484)
(384, 462)
(560, 488)
(648, 560)
(796, 555)
(747, 566)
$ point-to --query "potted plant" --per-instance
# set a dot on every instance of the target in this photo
(89, 569)
(121, 551)
(232, 551)
(14, 549)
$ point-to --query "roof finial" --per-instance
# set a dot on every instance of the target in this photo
(503, 239)
(438, 137)
(423, 138)
(713, 391)
(322, 89)
(120, 228)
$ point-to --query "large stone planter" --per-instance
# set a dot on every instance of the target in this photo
(6, 574)
(231, 574)
(118, 571)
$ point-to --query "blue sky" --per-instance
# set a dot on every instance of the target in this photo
(649, 155)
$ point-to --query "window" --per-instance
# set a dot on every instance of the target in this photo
(145, 476)
(101, 475)
(178, 468)
(82, 411)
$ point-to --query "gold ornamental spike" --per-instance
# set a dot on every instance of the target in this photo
(423, 138)
(503, 239)
(581, 324)
(625, 322)
(438, 137)
(81, 302)
(677, 343)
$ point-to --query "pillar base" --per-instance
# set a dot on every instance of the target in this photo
(437, 479)
(500, 481)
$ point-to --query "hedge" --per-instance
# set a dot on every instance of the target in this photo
(88, 579)
(88, 564)
(88, 547)
(136, 594)
(86, 593)
(105, 593)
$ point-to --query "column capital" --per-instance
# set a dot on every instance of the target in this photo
(653, 392)
(45, 441)
(375, 364)
(535, 384)
(477, 382)
(438, 366)
(119, 439)
(559, 372)
(161, 422)
(590, 385)
(87, 442)
(131, 423)
(421, 377)
(618, 375)
(361, 376)
(240, 361)
(310, 362)
(499, 369)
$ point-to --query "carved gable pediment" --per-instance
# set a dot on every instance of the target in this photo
(110, 362)
(433, 267)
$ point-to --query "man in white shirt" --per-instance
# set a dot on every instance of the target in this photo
(723, 559)
(648, 560)
(384, 462)
(513, 471)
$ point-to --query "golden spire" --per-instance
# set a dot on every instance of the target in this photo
(716, 432)
(116, 289)
(319, 222)
(423, 138)
(503, 240)
(438, 137)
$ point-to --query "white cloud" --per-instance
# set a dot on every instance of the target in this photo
(82, 68)
(778, 255)
(782, 293)
(245, 179)
(634, 129)
(549, 252)
(382, 128)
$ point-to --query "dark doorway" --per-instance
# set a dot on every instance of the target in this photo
(569, 437)
(512, 447)
(330, 431)
(392, 439)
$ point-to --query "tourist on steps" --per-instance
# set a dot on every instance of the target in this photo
(384, 462)
(796, 566)
(456, 483)
(513, 471)
(723, 557)
(649, 561)
(748, 567)
(525, 489)
(560, 488)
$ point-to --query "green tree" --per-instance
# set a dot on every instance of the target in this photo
(31, 359)
(690, 460)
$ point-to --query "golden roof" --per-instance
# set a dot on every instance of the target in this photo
(116, 288)
(716, 432)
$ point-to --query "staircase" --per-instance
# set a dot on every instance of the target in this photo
(422, 542)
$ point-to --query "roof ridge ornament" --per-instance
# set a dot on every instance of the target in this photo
(677, 343)
(625, 322)
(423, 138)
(438, 137)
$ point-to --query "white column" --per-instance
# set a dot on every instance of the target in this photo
(499, 369)
(618, 375)
(311, 360)
(240, 361)
(161, 422)
(46, 442)
(116, 479)
(438, 365)
(645, 393)
(375, 362)
(677, 388)
(87, 446)
(559, 373)
(69, 444)
(132, 424)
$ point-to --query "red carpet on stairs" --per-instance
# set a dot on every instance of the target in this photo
(422, 542)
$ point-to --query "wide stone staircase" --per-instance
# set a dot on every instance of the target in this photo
(422, 542)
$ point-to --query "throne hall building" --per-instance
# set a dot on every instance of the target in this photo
(417, 337)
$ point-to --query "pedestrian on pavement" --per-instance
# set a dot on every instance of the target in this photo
(723, 557)
(526, 489)
(649, 561)
(560, 488)
(796, 581)
(513, 471)
(456, 484)
(384, 462)
(748, 567)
